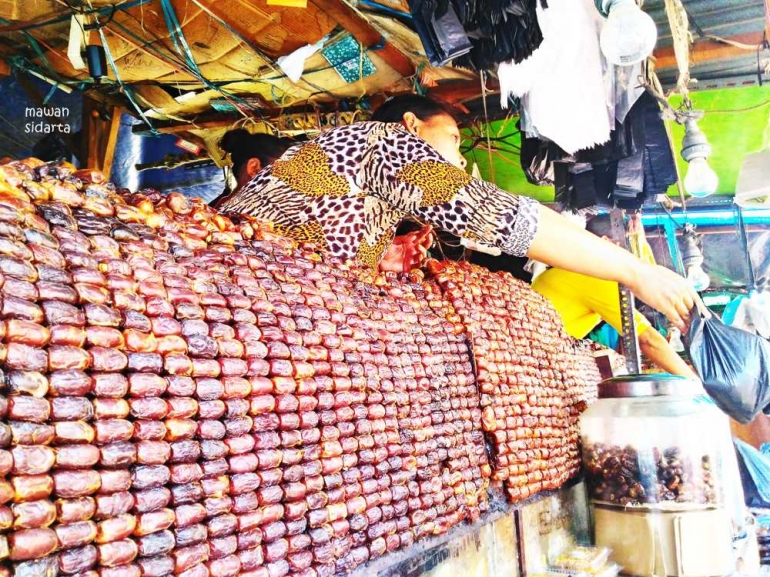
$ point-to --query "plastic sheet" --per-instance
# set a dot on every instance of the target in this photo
(733, 364)
(476, 35)
(755, 474)
(562, 84)
(442, 34)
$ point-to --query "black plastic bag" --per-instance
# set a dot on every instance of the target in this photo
(733, 364)
(440, 30)
(537, 158)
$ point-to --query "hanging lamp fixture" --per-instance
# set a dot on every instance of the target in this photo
(629, 34)
(692, 259)
(701, 180)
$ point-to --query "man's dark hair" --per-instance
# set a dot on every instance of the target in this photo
(243, 145)
(422, 107)
(600, 225)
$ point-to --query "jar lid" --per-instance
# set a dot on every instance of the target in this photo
(660, 385)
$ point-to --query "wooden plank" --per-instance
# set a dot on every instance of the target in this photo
(366, 34)
(272, 30)
(99, 136)
(707, 50)
(89, 156)
(108, 152)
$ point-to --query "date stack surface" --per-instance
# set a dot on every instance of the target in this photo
(185, 393)
(529, 376)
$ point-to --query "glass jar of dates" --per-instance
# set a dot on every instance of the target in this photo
(662, 475)
(657, 441)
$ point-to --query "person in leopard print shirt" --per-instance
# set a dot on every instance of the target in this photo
(347, 190)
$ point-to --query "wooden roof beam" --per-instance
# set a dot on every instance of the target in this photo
(707, 50)
(366, 34)
(453, 93)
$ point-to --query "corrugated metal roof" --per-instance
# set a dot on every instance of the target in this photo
(726, 19)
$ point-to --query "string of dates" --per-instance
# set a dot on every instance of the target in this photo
(189, 394)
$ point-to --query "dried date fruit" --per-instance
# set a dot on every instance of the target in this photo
(111, 384)
(33, 514)
(70, 383)
(78, 561)
(28, 544)
(190, 535)
(157, 566)
(77, 456)
(154, 521)
(113, 505)
(76, 534)
(114, 481)
(160, 543)
(28, 383)
(68, 335)
(71, 409)
(117, 553)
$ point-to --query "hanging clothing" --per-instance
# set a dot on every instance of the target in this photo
(347, 190)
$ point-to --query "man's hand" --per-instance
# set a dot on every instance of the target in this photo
(408, 251)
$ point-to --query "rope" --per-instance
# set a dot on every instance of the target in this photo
(124, 87)
(183, 49)
(39, 52)
(486, 122)
(238, 35)
(679, 23)
(63, 18)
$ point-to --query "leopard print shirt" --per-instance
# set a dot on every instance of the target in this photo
(347, 190)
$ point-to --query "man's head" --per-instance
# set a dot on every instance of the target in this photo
(250, 153)
(428, 119)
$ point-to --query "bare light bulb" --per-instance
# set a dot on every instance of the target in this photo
(698, 278)
(701, 180)
(629, 35)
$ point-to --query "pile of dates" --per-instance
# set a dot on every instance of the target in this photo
(185, 393)
(191, 394)
(529, 376)
(587, 369)
(627, 476)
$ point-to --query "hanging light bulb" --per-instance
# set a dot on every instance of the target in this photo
(701, 180)
(692, 259)
(629, 35)
(698, 278)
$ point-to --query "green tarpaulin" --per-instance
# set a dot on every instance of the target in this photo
(737, 122)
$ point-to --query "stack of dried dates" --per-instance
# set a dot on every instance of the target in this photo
(190, 394)
(586, 370)
(528, 374)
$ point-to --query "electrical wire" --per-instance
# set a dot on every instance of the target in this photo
(739, 110)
